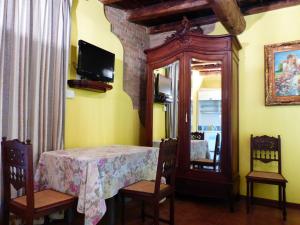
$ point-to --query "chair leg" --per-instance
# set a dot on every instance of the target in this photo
(29, 221)
(143, 211)
(5, 215)
(251, 192)
(231, 201)
(46, 220)
(172, 206)
(279, 196)
(122, 209)
(284, 203)
(247, 203)
(69, 215)
(156, 213)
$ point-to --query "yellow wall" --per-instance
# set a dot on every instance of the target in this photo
(255, 118)
(159, 121)
(211, 81)
(98, 118)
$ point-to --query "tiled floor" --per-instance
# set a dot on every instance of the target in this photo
(212, 212)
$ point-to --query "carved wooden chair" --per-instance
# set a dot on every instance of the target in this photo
(200, 163)
(266, 149)
(17, 165)
(197, 135)
(153, 192)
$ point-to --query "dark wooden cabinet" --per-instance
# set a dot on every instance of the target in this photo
(185, 47)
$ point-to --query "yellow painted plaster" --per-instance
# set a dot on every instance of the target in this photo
(255, 118)
(92, 118)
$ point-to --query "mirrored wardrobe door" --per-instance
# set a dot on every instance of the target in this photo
(205, 115)
(165, 102)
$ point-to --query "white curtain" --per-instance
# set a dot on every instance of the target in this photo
(172, 108)
(34, 53)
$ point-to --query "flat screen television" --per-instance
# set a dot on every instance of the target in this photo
(95, 63)
(163, 88)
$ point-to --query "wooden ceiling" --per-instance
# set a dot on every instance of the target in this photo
(206, 67)
(165, 15)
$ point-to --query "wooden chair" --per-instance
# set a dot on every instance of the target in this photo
(17, 163)
(200, 163)
(266, 149)
(153, 192)
(197, 135)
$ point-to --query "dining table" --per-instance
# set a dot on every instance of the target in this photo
(199, 149)
(95, 174)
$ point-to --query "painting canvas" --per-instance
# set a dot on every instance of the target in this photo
(282, 77)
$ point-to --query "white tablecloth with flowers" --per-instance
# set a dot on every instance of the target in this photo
(199, 149)
(95, 174)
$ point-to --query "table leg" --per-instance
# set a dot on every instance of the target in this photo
(111, 210)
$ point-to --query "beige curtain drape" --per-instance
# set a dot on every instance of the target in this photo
(34, 52)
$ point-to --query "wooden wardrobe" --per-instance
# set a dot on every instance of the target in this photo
(191, 49)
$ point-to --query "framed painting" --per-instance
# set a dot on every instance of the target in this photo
(282, 73)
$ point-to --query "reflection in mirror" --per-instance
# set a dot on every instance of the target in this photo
(206, 115)
(165, 105)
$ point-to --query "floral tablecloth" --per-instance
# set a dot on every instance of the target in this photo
(199, 149)
(95, 174)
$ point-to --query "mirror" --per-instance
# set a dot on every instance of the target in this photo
(165, 105)
(206, 111)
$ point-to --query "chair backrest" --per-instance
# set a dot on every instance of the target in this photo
(265, 149)
(217, 149)
(197, 135)
(166, 166)
(17, 168)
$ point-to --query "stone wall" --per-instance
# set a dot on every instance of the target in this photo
(135, 40)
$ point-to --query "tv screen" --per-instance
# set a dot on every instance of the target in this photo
(95, 63)
(163, 85)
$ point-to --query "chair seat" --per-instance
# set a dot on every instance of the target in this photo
(207, 161)
(45, 198)
(271, 176)
(145, 187)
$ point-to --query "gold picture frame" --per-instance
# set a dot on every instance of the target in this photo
(282, 73)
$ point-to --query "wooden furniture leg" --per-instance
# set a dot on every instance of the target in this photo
(284, 203)
(248, 196)
(122, 209)
(251, 192)
(29, 221)
(172, 210)
(111, 210)
(46, 220)
(143, 211)
(5, 215)
(156, 214)
(280, 196)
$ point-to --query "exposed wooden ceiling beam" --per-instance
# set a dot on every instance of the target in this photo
(229, 15)
(270, 6)
(166, 9)
(173, 26)
(109, 2)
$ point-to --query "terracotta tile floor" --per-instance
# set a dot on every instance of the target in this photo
(211, 212)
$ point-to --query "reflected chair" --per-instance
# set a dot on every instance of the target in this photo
(17, 165)
(200, 163)
(266, 149)
(152, 192)
(197, 135)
